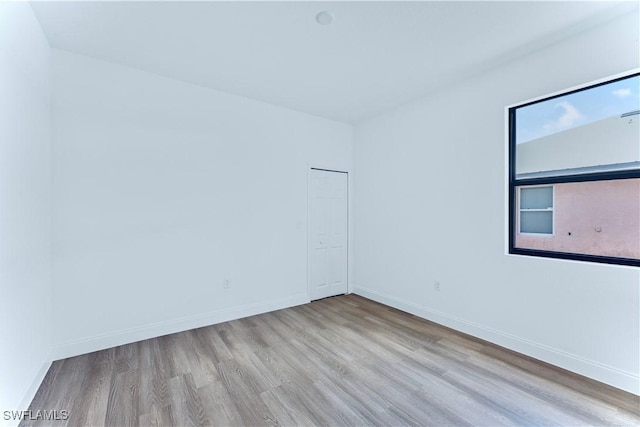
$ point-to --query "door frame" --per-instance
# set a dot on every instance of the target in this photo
(349, 222)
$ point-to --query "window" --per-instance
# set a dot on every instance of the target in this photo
(536, 210)
(574, 173)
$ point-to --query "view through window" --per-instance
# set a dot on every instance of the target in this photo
(574, 174)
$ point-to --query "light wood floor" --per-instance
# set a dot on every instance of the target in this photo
(339, 361)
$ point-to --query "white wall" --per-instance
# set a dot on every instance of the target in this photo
(25, 206)
(162, 190)
(430, 204)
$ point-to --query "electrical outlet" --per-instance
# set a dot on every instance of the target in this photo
(436, 285)
(226, 284)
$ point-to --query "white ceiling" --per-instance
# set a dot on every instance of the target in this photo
(375, 56)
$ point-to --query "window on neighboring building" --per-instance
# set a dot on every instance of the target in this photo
(574, 174)
(536, 210)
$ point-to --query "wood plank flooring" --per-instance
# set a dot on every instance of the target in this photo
(339, 361)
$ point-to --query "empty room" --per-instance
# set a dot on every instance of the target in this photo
(319, 213)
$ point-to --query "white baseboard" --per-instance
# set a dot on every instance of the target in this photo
(615, 377)
(30, 393)
(108, 340)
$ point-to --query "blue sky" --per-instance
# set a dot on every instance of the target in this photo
(577, 109)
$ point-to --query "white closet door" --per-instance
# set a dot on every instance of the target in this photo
(328, 234)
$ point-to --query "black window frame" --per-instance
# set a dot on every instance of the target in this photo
(514, 183)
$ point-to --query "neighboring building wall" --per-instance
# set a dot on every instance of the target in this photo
(582, 146)
(584, 207)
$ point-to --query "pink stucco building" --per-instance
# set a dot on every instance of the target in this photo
(594, 217)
